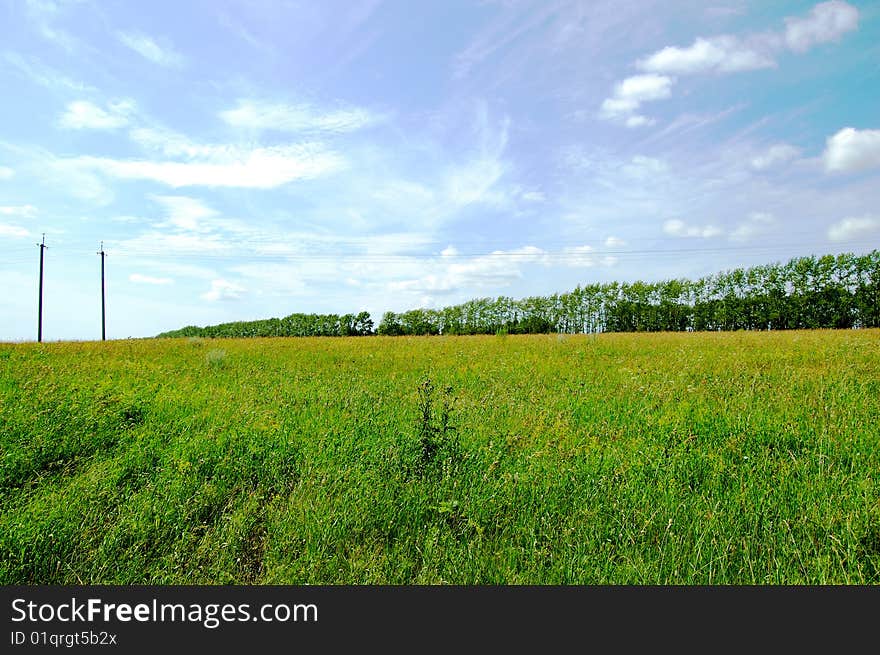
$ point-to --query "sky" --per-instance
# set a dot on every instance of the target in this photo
(241, 160)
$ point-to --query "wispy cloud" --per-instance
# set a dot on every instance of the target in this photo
(84, 115)
(256, 168)
(173, 144)
(36, 72)
(641, 166)
(15, 231)
(533, 196)
(500, 34)
(676, 227)
(185, 213)
(278, 278)
(853, 228)
(80, 182)
(452, 270)
(26, 211)
(261, 115)
(756, 224)
(147, 279)
(161, 242)
(44, 15)
(176, 269)
(826, 22)
(223, 290)
(473, 181)
(450, 183)
(6, 173)
(148, 48)
(775, 155)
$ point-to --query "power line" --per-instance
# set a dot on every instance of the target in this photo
(319, 240)
(522, 255)
(570, 254)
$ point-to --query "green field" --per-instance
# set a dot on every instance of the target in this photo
(695, 458)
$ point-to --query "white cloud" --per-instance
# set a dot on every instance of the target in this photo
(641, 88)
(852, 150)
(258, 168)
(678, 228)
(614, 242)
(6, 173)
(631, 93)
(146, 279)
(449, 251)
(223, 290)
(7, 230)
(84, 115)
(185, 213)
(827, 21)
(775, 154)
(639, 121)
(259, 115)
(721, 54)
(148, 48)
(533, 196)
(27, 211)
(853, 228)
(756, 224)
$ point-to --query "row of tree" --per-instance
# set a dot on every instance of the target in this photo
(840, 291)
(295, 325)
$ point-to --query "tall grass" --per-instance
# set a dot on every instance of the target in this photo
(651, 458)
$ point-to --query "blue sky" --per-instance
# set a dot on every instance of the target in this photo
(241, 160)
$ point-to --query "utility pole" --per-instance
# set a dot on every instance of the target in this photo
(40, 301)
(103, 306)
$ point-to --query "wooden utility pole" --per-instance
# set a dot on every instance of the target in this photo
(103, 305)
(40, 300)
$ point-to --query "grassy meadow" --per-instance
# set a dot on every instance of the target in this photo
(688, 458)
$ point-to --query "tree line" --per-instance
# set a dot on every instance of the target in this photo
(295, 325)
(841, 291)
